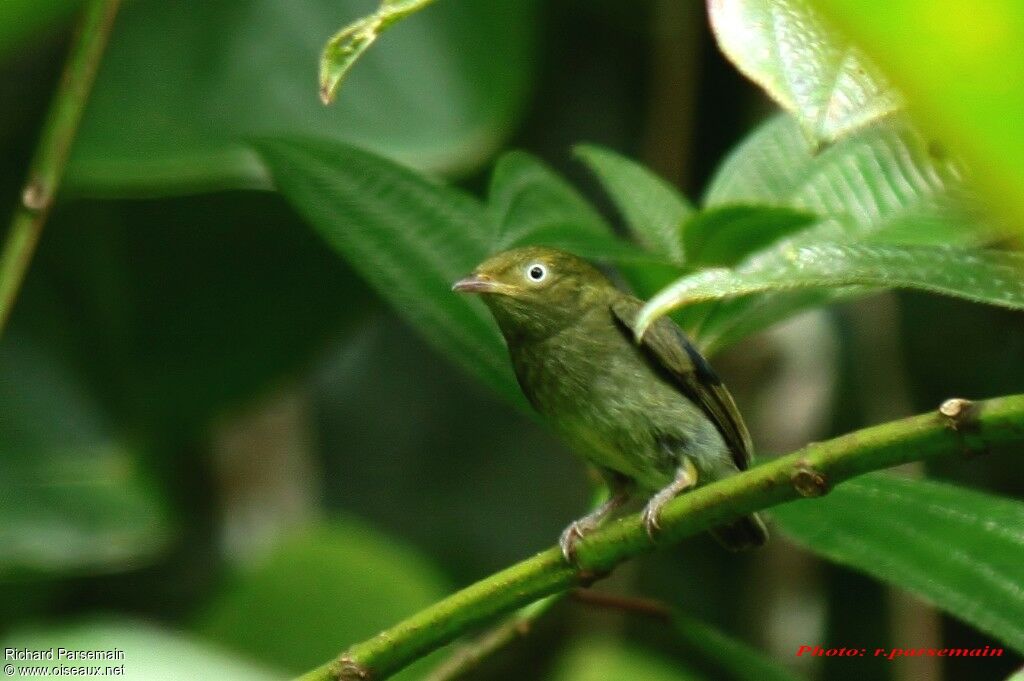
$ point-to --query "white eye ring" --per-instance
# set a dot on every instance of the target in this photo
(536, 272)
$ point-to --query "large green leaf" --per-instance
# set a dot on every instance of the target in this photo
(184, 85)
(960, 65)
(653, 210)
(993, 277)
(528, 203)
(526, 197)
(408, 237)
(813, 72)
(960, 550)
(74, 498)
(609, 660)
(318, 592)
(869, 179)
(149, 652)
(881, 184)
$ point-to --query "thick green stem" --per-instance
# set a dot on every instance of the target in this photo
(958, 427)
(52, 151)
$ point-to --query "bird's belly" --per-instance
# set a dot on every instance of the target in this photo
(621, 426)
(616, 412)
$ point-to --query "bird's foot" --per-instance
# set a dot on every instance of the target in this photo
(651, 515)
(686, 478)
(577, 529)
(571, 536)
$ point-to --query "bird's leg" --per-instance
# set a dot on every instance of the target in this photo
(577, 529)
(686, 477)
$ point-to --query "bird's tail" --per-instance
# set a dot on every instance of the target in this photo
(746, 533)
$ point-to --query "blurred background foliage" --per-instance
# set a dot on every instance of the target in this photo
(224, 448)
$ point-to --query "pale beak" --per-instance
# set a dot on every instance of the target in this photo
(476, 283)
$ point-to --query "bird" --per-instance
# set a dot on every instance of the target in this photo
(651, 414)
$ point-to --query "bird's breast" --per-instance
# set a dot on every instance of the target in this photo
(606, 402)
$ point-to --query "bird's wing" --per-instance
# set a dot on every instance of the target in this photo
(672, 352)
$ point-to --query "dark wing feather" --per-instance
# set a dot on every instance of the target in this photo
(673, 353)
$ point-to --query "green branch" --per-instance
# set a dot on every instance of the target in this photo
(52, 151)
(469, 655)
(958, 426)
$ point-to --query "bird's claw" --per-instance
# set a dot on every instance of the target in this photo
(650, 519)
(568, 540)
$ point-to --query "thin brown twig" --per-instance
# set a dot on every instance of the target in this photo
(646, 607)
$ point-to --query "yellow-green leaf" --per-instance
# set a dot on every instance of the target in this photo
(803, 64)
(348, 44)
(960, 65)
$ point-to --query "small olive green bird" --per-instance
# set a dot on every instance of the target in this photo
(652, 417)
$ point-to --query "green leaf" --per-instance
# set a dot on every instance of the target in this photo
(20, 19)
(527, 197)
(74, 500)
(880, 184)
(182, 88)
(993, 277)
(347, 45)
(606, 247)
(809, 69)
(409, 238)
(149, 652)
(722, 236)
(653, 210)
(530, 204)
(960, 69)
(869, 180)
(740, 661)
(318, 592)
(961, 550)
(609, 660)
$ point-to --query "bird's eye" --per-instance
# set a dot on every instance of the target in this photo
(536, 272)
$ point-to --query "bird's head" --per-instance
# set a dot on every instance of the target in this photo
(535, 289)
